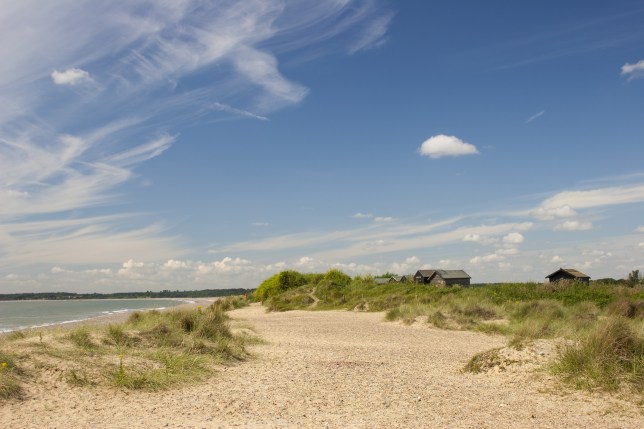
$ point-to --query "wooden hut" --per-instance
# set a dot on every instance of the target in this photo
(568, 274)
(442, 277)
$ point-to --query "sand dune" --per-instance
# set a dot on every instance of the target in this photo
(336, 370)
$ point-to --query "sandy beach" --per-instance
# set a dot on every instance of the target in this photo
(334, 369)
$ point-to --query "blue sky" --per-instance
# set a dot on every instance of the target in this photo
(209, 144)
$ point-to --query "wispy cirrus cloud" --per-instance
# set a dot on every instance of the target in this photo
(373, 35)
(66, 147)
(535, 116)
(567, 201)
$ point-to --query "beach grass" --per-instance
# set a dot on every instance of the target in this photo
(151, 350)
(608, 357)
(9, 377)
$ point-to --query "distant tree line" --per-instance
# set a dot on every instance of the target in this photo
(124, 295)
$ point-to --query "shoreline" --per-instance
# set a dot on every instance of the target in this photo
(117, 316)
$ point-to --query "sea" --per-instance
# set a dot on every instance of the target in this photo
(16, 315)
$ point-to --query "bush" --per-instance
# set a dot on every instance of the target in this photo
(336, 278)
(279, 283)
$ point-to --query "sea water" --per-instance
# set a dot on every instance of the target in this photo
(15, 315)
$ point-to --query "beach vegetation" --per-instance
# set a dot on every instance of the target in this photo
(608, 357)
(10, 386)
(150, 350)
(82, 338)
(602, 322)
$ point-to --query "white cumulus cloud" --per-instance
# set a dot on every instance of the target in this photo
(70, 77)
(573, 225)
(441, 145)
(514, 238)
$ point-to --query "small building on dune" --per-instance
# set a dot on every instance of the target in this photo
(382, 280)
(568, 274)
(424, 276)
(442, 278)
(398, 279)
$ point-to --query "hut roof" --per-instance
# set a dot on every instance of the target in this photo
(453, 274)
(573, 272)
(427, 273)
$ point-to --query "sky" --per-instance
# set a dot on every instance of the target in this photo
(192, 144)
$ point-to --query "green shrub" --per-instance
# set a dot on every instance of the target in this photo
(279, 283)
(336, 278)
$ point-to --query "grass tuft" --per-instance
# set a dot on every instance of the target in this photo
(82, 338)
(610, 356)
(483, 361)
(10, 387)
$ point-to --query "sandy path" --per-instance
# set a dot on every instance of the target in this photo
(336, 370)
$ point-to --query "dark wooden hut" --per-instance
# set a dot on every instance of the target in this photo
(568, 274)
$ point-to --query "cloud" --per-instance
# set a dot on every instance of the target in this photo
(260, 224)
(492, 257)
(70, 77)
(513, 238)
(383, 219)
(226, 108)
(441, 145)
(556, 259)
(65, 241)
(573, 225)
(548, 213)
(367, 240)
(477, 238)
(362, 215)
(633, 71)
(373, 35)
(535, 116)
(508, 251)
(639, 229)
(155, 67)
(566, 204)
(472, 237)
(412, 260)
